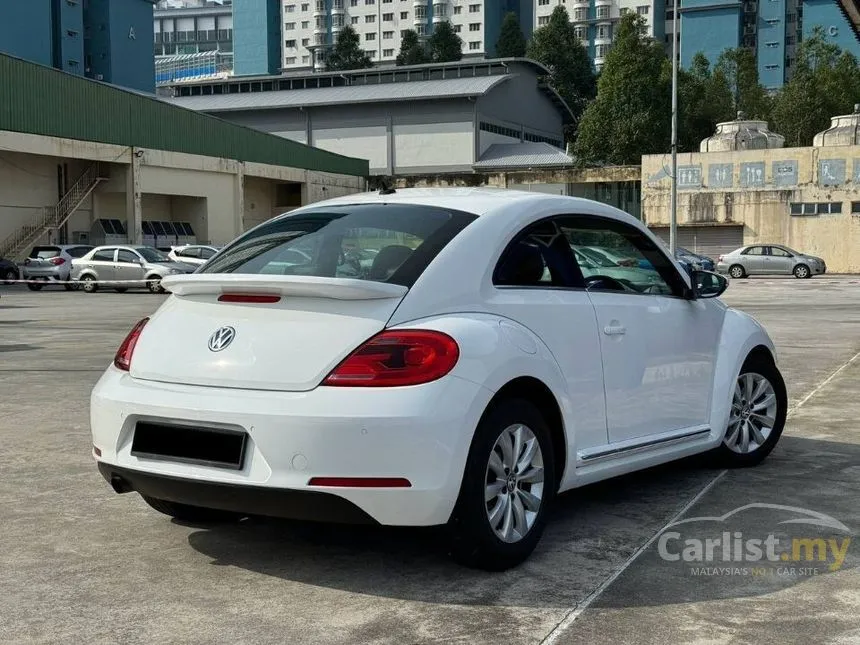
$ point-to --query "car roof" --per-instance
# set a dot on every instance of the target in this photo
(482, 202)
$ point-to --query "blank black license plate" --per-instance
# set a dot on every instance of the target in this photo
(190, 444)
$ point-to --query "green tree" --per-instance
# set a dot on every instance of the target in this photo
(825, 83)
(444, 44)
(704, 99)
(631, 114)
(412, 50)
(741, 71)
(347, 52)
(571, 74)
(511, 42)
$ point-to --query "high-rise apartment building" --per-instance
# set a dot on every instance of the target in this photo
(771, 28)
(106, 40)
(310, 27)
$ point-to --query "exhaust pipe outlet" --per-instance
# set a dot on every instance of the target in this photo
(120, 485)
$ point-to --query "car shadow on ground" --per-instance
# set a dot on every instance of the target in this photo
(594, 530)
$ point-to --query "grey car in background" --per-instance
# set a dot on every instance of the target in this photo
(51, 263)
(770, 259)
(123, 267)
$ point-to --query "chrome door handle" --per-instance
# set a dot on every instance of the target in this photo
(615, 330)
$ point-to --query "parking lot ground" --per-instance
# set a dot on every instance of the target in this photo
(79, 563)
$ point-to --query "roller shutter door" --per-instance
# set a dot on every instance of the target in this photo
(712, 241)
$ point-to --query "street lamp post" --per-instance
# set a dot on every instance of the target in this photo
(673, 204)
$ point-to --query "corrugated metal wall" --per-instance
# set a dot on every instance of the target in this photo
(41, 100)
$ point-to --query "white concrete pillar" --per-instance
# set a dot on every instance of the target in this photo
(133, 205)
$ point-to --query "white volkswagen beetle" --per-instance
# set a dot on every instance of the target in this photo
(464, 378)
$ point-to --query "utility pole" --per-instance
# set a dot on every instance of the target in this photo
(673, 204)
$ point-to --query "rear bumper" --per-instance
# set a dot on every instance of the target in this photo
(51, 274)
(251, 500)
(420, 433)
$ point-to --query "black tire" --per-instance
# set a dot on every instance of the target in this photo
(802, 272)
(35, 285)
(737, 272)
(70, 286)
(764, 366)
(153, 283)
(9, 276)
(121, 289)
(188, 513)
(473, 541)
(89, 284)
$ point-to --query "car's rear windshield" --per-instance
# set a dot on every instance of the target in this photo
(381, 242)
(45, 252)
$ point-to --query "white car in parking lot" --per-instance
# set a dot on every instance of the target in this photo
(195, 254)
(467, 377)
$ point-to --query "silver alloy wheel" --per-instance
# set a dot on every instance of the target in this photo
(89, 283)
(514, 483)
(737, 271)
(753, 414)
(801, 271)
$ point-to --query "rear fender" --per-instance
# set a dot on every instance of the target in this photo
(492, 357)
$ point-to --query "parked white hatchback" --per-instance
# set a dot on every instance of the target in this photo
(462, 378)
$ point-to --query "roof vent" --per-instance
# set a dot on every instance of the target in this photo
(741, 134)
(844, 130)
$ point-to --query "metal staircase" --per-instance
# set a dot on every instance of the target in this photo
(53, 217)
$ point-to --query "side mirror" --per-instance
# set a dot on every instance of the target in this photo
(707, 284)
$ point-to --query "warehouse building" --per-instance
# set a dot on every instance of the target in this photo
(85, 162)
(444, 117)
(743, 187)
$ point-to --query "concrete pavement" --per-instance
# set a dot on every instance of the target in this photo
(81, 563)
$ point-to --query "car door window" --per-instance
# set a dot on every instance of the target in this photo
(105, 255)
(78, 251)
(616, 257)
(189, 253)
(205, 253)
(127, 257)
(754, 250)
(538, 257)
(779, 253)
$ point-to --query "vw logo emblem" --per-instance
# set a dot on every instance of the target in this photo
(221, 338)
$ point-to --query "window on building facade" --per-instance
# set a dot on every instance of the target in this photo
(643, 10)
(306, 24)
(369, 19)
(458, 10)
(306, 42)
(440, 10)
(458, 29)
(475, 44)
(421, 29)
(289, 26)
(604, 31)
(306, 60)
(579, 14)
(369, 2)
(321, 22)
(305, 6)
(370, 36)
(387, 35)
(474, 8)
(290, 44)
(353, 20)
(337, 4)
(388, 53)
(579, 32)
(289, 8)
(371, 53)
(543, 3)
(809, 209)
(353, 3)
(320, 5)
(855, 208)
(404, 15)
(543, 20)
(420, 12)
(387, 17)
(475, 26)
(337, 20)
(290, 60)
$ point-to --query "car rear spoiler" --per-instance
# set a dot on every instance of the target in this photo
(283, 285)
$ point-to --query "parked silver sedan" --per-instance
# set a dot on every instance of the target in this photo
(125, 267)
(770, 259)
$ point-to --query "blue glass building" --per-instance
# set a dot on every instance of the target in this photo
(256, 37)
(107, 40)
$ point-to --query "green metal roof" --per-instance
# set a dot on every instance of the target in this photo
(41, 100)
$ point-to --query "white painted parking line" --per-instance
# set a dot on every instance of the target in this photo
(577, 611)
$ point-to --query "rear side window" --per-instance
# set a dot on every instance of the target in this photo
(79, 251)
(380, 242)
(105, 255)
(45, 252)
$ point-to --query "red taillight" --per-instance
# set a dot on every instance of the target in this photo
(57, 261)
(249, 298)
(391, 358)
(361, 482)
(123, 355)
